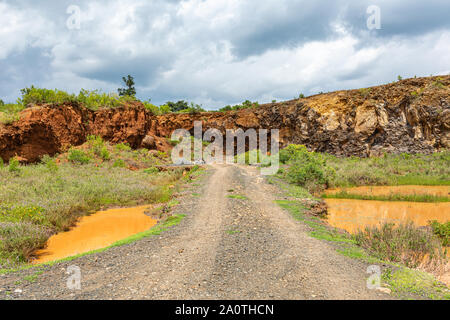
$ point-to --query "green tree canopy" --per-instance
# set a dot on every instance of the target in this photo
(177, 106)
(130, 89)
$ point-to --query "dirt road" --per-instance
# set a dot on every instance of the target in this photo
(226, 248)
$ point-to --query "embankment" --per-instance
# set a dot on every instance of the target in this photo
(410, 116)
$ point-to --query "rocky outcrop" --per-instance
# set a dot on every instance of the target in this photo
(408, 116)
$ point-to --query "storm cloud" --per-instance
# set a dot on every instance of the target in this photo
(218, 52)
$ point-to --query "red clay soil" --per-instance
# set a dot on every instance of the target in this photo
(411, 116)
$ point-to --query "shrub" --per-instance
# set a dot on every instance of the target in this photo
(49, 163)
(404, 243)
(290, 151)
(164, 109)
(161, 154)
(308, 172)
(177, 106)
(10, 113)
(104, 153)
(6, 118)
(123, 147)
(151, 107)
(245, 105)
(151, 170)
(14, 165)
(225, 109)
(307, 169)
(34, 214)
(2, 164)
(96, 143)
(194, 108)
(35, 95)
(365, 92)
(78, 156)
(119, 163)
(93, 100)
(442, 231)
(96, 99)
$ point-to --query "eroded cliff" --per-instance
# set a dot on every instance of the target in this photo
(411, 116)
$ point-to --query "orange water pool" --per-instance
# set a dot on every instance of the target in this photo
(352, 215)
(96, 231)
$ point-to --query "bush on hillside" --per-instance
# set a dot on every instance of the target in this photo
(442, 231)
(78, 156)
(245, 105)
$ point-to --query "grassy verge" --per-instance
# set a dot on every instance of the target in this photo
(408, 283)
(43, 199)
(391, 169)
(388, 197)
(319, 229)
(317, 171)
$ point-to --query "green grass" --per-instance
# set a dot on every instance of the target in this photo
(33, 277)
(291, 190)
(295, 208)
(409, 283)
(231, 232)
(319, 229)
(442, 231)
(10, 112)
(237, 196)
(388, 197)
(358, 253)
(391, 169)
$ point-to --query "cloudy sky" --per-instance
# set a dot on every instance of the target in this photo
(219, 52)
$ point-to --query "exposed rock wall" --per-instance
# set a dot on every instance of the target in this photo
(407, 116)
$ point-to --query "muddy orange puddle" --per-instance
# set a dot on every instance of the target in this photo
(387, 190)
(95, 232)
(352, 215)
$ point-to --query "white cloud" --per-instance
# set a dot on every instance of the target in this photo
(21, 29)
(214, 52)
